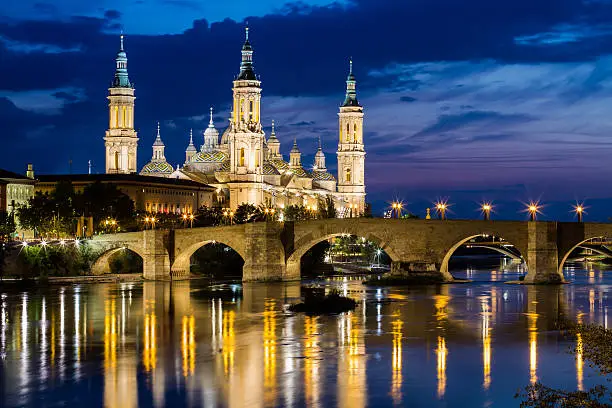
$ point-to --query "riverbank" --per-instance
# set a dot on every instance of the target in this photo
(62, 280)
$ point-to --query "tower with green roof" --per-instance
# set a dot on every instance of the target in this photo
(121, 140)
(351, 151)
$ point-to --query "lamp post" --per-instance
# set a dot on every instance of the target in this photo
(397, 209)
(533, 209)
(579, 210)
(486, 211)
(441, 208)
(147, 219)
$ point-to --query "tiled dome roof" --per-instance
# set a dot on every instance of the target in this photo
(157, 167)
(209, 157)
(322, 176)
(269, 169)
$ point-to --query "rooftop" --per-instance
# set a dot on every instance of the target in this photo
(121, 178)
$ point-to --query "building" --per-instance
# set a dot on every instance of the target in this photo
(15, 189)
(240, 163)
(151, 194)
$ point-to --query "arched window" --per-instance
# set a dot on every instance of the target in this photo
(241, 108)
(347, 175)
(355, 133)
(124, 117)
(348, 133)
(256, 157)
(251, 109)
(116, 117)
(242, 157)
(117, 160)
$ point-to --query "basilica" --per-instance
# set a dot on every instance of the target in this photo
(241, 163)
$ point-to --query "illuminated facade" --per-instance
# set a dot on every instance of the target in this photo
(121, 140)
(242, 164)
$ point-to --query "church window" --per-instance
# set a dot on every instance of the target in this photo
(241, 108)
(124, 111)
(256, 157)
(355, 133)
(251, 109)
(242, 157)
(347, 176)
(348, 131)
(117, 160)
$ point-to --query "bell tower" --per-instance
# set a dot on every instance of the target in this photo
(121, 140)
(247, 140)
(351, 152)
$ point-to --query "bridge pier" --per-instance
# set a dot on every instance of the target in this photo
(542, 253)
(156, 260)
(264, 258)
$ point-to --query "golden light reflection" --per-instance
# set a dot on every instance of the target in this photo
(110, 334)
(442, 354)
(592, 304)
(352, 369)
(441, 302)
(579, 360)
(229, 341)
(149, 353)
(533, 347)
(188, 346)
(396, 379)
(486, 345)
(269, 339)
(311, 364)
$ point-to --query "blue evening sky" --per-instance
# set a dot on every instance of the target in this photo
(468, 100)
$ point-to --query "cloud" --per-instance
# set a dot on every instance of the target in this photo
(480, 119)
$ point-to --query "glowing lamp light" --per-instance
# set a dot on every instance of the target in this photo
(533, 208)
(62, 242)
(486, 209)
(579, 209)
(43, 243)
(24, 244)
(76, 242)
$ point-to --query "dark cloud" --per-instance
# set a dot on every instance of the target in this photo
(407, 99)
(448, 123)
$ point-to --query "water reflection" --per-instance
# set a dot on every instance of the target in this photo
(163, 344)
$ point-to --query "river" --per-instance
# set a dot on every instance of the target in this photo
(181, 344)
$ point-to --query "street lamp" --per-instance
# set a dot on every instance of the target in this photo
(486, 210)
(533, 209)
(579, 210)
(191, 218)
(397, 209)
(441, 207)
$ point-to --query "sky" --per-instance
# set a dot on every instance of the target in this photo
(465, 100)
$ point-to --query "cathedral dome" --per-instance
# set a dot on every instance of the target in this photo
(322, 176)
(209, 157)
(153, 168)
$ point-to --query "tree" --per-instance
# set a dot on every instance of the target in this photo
(7, 226)
(327, 208)
(247, 213)
(208, 217)
(296, 213)
(102, 201)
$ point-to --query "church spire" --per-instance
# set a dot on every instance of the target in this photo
(319, 161)
(121, 79)
(246, 65)
(211, 123)
(351, 92)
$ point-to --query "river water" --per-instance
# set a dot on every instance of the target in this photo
(160, 344)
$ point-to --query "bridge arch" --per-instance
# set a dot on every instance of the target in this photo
(182, 263)
(102, 264)
(305, 243)
(444, 267)
(564, 256)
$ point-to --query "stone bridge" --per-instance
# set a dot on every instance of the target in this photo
(273, 251)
